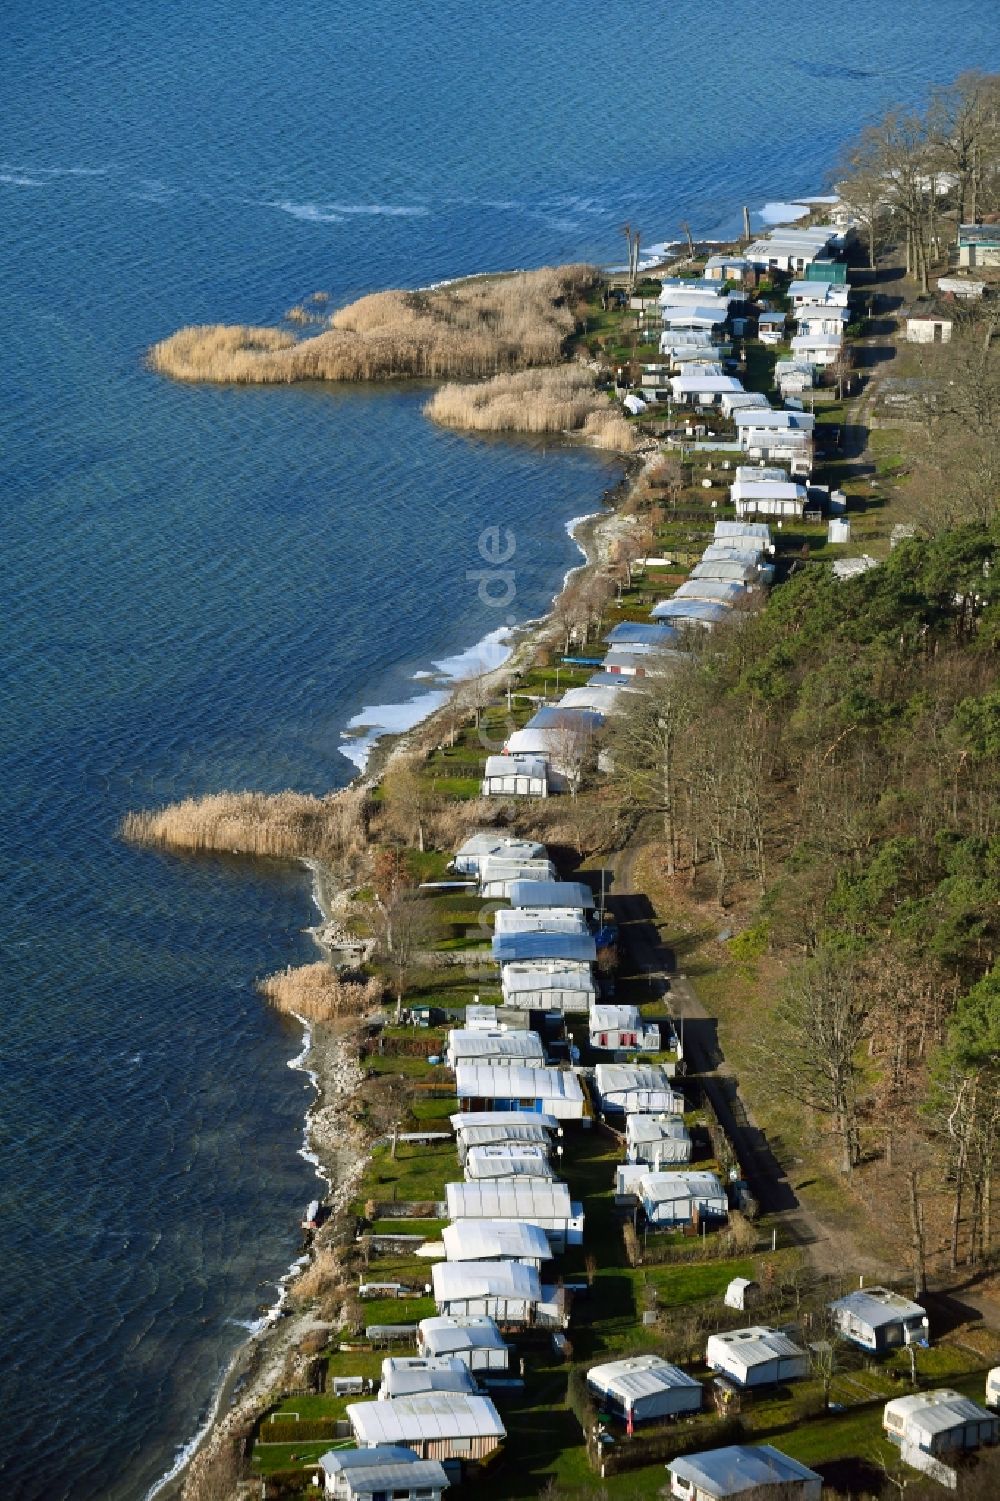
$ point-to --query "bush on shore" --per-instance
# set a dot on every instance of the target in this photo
(283, 825)
(552, 399)
(468, 329)
(318, 993)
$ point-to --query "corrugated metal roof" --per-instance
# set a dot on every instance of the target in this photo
(437, 1415)
(540, 920)
(639, 1376)
(758, 530)
(643, 635)
(756, 1345)
(458, 1280)
(446, 1332)
(555, 717)
(877, 1306)
(547, 974)
(384, 1468)
(529, 1200)
(612, 1078)
(491, 843)
(470, 1044)
(496, 868)
(503, 1161)
(703, 611)
(666, 1188)
(551, 894)
(480, 1240)
(513, 947)
(939, 1411)
(738, 1467)
(409, 1375)
(479, 1136)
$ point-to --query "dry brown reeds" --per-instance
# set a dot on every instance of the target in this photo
(551, 399)
(468, 329)
(283, 825)
(318, 993)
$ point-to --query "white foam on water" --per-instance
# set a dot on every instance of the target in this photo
(376, 720)
(17, 180)
(311, 213)
(336, 213)
(386, 210)
(782, 213)
(489, 653)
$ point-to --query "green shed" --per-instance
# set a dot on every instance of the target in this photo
(823, 270)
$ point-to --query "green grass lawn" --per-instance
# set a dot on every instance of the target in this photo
(418, 1172)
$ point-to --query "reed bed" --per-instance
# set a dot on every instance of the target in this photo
(283, 825)
(470, 329)
(550, 399)
(317, 992)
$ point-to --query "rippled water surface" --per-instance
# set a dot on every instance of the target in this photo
(204, 587)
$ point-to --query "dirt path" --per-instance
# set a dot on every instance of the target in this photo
(831, 1250)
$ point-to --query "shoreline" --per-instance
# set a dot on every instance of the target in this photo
(339, 1161)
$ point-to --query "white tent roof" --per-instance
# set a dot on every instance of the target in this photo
(638, 1376)
(615, 1018)
(446, 1332)
(458, 1280)
(436, 1415)
(466, 1120)
(530, 1200)
(482, 1240)
(514, 1081)
(653, 1128)
(548, 974)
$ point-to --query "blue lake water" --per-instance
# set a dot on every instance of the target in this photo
(203, 587)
